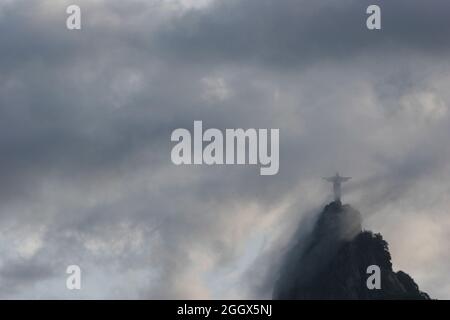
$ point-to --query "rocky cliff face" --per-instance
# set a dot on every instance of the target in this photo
(333, 262)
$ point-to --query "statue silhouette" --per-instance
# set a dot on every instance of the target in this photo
(337, 181)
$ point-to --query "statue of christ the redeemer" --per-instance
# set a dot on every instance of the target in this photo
(337, 181)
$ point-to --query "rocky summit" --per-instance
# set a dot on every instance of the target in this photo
(332, 263)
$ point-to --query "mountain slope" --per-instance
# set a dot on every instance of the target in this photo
(333, 262)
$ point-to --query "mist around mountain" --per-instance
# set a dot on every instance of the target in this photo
(332, 262)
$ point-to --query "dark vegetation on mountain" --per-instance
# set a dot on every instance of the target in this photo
(332, 263)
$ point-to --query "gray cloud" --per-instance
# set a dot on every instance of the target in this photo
(86, 118)
(286, 34)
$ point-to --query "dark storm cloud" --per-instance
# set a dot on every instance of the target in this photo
(289, 33)
(86, 117)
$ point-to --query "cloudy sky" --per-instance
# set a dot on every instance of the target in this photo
(86, 118)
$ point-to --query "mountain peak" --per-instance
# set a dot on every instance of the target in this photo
(338, 221)
(332, 263)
